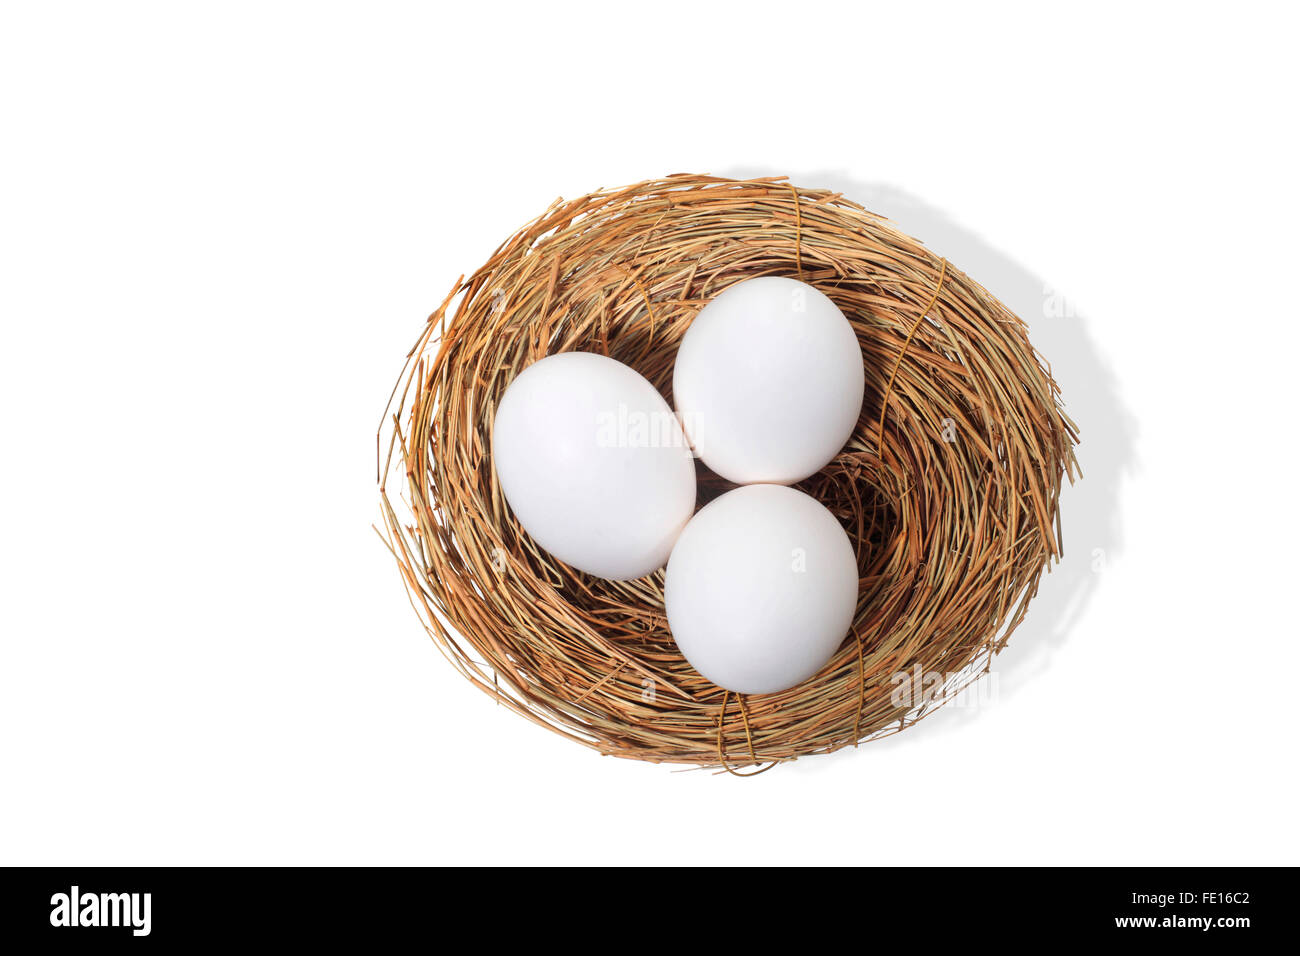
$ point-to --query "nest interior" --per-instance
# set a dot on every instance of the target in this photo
(949, 487)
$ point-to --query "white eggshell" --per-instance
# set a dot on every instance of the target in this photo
(594, 464)
(761, 589)
(769, 381)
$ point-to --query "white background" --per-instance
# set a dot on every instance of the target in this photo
(222, 229)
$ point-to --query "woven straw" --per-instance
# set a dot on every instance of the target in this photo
(950, 494)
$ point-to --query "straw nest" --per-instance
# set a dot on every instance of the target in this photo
(949, 486)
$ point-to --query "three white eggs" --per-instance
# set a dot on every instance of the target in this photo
(761, 585)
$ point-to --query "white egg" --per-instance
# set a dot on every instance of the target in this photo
(761, 589)
(769, 381)
(594, 464)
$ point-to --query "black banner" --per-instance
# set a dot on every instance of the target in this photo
(136, 907)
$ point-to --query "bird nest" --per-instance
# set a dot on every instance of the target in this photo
(948, 488)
